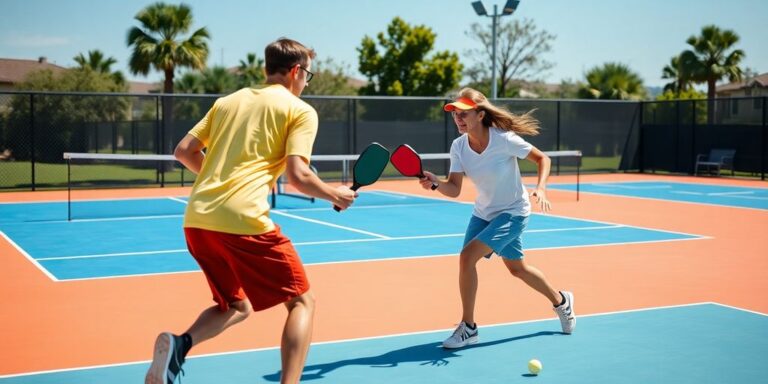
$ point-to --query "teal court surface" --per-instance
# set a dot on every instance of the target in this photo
(101, 239)
(697, 343)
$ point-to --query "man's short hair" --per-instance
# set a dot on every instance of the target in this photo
(283, 54)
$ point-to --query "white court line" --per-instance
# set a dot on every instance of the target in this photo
(384, 206)
(347, 241)
(750, 197)
(689, 193)
(619, 186)
(331, 225)
(672, 201)
(126, 218)
(372, 338)
(607, 223)
(28, 257)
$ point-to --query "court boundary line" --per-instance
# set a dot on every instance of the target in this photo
(666, 200)
(29, 257)
(305, 243)
(389, 259)
(381, 237)
(331, 342)
(569, 217)
(64, 201)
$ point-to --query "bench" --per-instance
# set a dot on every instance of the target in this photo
(716, 160)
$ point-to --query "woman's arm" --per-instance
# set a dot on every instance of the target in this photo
(544, 164)
(450, 187)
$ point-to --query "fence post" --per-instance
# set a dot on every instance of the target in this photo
(677, 136)
(32, 136)
(765, 138)
(557, 137)
(641, 144)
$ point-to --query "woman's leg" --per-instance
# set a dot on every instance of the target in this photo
(468, 282)
(534, 278)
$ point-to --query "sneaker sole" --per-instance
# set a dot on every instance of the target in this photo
(471, 340)
(161, 359)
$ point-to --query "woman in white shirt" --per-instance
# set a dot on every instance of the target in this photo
(487, 152)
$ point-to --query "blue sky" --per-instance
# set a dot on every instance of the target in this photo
(642, 34)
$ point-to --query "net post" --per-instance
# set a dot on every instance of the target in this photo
(578, 171)
(69, 189)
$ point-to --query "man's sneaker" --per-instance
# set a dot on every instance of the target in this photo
(166, 360)
(461, 337)
(566, 314)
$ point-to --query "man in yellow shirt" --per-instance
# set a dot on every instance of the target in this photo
(251, 137)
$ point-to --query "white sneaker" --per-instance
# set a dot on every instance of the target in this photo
(566, 314)
(461, 337)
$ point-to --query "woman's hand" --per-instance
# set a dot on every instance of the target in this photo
(428, 180)
(541, 199)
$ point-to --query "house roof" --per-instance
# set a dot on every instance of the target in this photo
(757, 81)
(14, 71)
(142, 87)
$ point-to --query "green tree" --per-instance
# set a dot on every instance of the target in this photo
(158, 43)
(520, 47)
(613, 81)
(404, 66)
(679, 75)
(250, 71)
(218, 80)
(330, 79)
(190, 82)
(712, 57)
(63, 122)
(99, 63)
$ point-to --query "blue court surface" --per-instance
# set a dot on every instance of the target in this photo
(699, 343)
(722, 195)
(144, 236)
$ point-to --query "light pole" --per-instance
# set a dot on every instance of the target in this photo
(508, 9)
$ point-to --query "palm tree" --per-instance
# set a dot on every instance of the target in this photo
(250, 71)
(613, 81)
(680, 76)
(97, 62)
(189, 82)
(218, 80)
(157, 43)
(710, 59)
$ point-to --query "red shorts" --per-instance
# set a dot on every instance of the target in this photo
(264, 268)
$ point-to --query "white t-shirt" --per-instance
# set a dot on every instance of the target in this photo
(495, 173)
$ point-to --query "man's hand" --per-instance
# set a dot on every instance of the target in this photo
(344, 197)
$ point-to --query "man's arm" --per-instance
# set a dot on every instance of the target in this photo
(189, 152)
(302, 178)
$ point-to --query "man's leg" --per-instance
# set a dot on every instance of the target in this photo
(213, 321)
(297, 335)
(170, 350)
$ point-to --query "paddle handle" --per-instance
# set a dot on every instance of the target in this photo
(355, 187)
(434, 185)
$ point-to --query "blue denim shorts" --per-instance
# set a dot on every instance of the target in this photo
(503, 234)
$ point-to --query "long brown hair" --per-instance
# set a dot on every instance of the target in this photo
(500, 117)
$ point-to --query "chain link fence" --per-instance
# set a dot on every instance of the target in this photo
(37, 127)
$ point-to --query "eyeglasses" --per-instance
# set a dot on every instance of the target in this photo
(461, 115)
(310, 75)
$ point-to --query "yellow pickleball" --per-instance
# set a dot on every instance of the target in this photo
(534, 366)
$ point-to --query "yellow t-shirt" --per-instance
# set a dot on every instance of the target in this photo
(248, 136)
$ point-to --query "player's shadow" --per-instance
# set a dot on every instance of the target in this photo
(427, 354)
